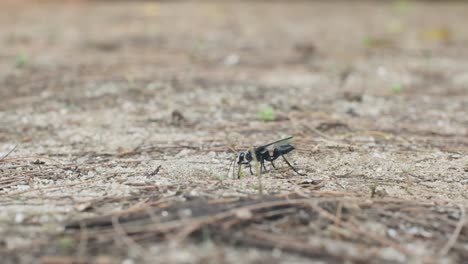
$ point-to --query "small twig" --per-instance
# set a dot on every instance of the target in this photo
(209, 219)
(319, 249)
(129, 242)
(316, 131)
(82, 246)
(453, 239)
(356, 228)
(9, 152)
(339, 211)
(185, 232)
(56, 186)
(153, 173)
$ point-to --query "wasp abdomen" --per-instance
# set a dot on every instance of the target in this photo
(282, 150)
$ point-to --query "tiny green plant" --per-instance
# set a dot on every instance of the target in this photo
(21, 60)
(66, 243)
(396, 27)
(206, 235)
(402, 6)
(376, 42)
(267, 114)
(367, 41)
(396, 87)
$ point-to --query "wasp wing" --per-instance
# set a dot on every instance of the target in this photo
(283, 141)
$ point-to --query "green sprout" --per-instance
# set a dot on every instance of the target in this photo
(206, 235)
(66, 243)
(396, 87)
(267, 114)
(376, 42)
(21, 60)
(367, 41)
(401, 6)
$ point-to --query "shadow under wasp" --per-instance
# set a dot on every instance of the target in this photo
(268, 152)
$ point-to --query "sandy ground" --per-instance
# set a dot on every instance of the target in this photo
(97, 96)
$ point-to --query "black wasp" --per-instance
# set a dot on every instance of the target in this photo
(262, 154)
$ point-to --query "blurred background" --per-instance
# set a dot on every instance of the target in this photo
(106, 106)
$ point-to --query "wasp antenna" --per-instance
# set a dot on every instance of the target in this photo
(231, 165)
(231, 146)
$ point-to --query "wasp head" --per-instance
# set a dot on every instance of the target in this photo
(241, 158)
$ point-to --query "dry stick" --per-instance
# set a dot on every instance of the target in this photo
(325, 136)
(182, 235)
(127, 240)
(54, 187)
(406, 218)
(299, 192)
(38, 157)
(232, 222)
(83, 241)
(9, 152)
(135, 208)
(356, 228)
(453, 239)
(193, 223)
(198, 221)
(36, 243)
(138, 207)
(316, 131)
(10, 180)
(339, 211)
(302, 247)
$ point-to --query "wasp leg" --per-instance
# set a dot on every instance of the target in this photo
(261, 162)
(272, 164)
(291, 166)
(250, 168)
(264, 168)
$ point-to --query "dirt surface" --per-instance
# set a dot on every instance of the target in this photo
(119, 110)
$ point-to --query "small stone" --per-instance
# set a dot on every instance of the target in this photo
(231, 60)
(83, 207)
(185, 213)
(392, 233)
(454, 156)
(243, 214)
(19, 218)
